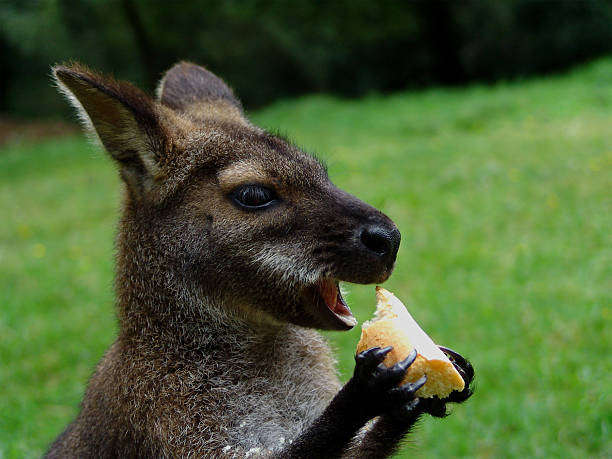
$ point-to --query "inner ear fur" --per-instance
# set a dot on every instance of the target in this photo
(191, 89)
(123, 118)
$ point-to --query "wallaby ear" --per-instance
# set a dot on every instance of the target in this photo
(122, 116)
(186, 84)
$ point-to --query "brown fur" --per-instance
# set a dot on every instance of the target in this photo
(216, 355)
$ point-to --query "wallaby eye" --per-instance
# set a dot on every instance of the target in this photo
(254, 196)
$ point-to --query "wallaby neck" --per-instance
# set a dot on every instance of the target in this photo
(156, 303)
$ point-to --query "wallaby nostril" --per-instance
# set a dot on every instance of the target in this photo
(378, 240)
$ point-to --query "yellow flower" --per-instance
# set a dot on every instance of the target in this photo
(24, 231)
(39, 250)
(514, 174)
(552, 201)
(594, 164)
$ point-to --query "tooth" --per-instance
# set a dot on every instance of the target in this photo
(349, 320)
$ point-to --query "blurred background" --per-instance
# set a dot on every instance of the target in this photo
(482, 128)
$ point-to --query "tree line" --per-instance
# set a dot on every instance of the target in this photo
(275, 48)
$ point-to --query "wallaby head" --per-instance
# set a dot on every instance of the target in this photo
(222, 215)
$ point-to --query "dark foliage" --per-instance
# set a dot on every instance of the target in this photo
(270, 49)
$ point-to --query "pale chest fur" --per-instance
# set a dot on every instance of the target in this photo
(279, 394)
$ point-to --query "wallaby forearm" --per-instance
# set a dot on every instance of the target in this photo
(380, 440)
(333, 435)
(330, 434)
(369, 393)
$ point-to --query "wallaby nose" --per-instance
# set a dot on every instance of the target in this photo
(381, 240)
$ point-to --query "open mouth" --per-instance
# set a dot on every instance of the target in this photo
(328, 298)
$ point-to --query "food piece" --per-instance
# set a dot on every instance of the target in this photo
(393, 325)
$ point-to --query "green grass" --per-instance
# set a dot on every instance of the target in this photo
(503, 196)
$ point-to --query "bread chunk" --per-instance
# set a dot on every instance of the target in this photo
(393, 325)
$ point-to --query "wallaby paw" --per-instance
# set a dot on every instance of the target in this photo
(377, 385)
(463, 366)
(436, 406)
(466, 370)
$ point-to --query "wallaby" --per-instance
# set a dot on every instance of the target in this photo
(230, 248)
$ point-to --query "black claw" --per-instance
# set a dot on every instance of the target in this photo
(408, 360)
(420, 382)
(368, 360)
(461, 373)
(394, 375)
(466, 369)
(373, 355)
(406, 392)
(452, 355)
(363, 355)
(469, 370)
(382, 353)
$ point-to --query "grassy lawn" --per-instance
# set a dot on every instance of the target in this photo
(503, 196)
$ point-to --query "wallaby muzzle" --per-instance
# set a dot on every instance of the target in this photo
(362, 244)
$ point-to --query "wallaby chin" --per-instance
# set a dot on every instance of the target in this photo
(230, 250)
